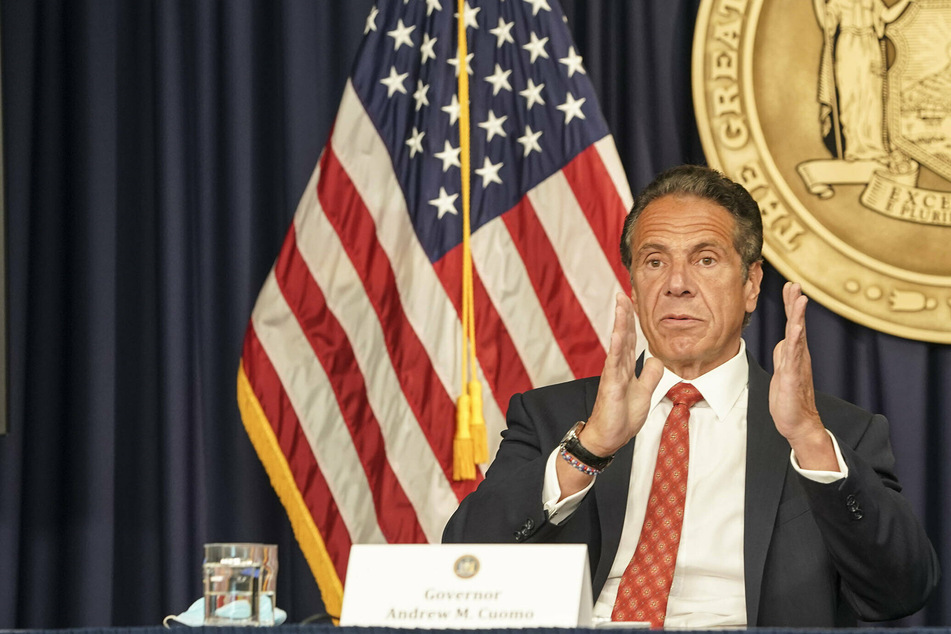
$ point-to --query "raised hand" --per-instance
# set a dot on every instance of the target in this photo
(623, 398)
(792, 401)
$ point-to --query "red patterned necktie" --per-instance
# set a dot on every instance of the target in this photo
(645, 585)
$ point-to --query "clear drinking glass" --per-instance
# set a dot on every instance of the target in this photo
(240, 583)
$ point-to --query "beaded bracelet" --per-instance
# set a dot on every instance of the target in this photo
(577, 464)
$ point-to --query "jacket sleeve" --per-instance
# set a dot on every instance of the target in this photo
(887, 565)
(507, 505)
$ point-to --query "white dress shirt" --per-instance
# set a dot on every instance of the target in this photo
(708, 588)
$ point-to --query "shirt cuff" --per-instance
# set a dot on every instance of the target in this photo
(558, 511)
(823, 477)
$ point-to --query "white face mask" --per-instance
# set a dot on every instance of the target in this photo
(194, 616)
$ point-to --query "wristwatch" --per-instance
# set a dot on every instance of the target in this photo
(572, 445)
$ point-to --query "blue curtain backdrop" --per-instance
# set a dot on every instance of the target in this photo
(154, 154)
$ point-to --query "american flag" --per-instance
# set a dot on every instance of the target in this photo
(352, 358)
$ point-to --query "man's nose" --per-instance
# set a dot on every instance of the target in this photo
(679, 279)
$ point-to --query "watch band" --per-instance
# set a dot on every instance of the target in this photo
(571, 444)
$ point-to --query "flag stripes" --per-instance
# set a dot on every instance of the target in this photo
(425, 392)
(348, 375)
(430, 300)
(498, 358)
(388, 411)
(570, 326)
(591, 177)
(292, 466)
(351, 365)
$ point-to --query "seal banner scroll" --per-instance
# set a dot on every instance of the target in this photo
(836, 115)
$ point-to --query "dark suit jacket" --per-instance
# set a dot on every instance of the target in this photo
(814, 554)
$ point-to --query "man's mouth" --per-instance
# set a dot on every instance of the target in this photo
(679, 319)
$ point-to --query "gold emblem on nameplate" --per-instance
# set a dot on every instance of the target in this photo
(466, 566)
(836, 115)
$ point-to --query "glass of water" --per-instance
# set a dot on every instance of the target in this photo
(240, 584)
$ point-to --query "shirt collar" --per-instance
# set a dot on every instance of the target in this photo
(721, 386)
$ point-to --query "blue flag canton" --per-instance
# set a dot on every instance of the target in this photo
(532, 106)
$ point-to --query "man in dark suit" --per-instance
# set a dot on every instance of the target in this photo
(789, 511)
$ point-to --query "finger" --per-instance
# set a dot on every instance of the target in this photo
(801, 302)
(788, 302)
(619, 330)
(621, 356)
(795, 304)
(793, 348)
(631, 325)
(631, 315)
(804, 301)
(778, 356)
(802, 342)
(791, 291)
(796, 318)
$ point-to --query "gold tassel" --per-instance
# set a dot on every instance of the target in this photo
(463, 466)
(480, 446)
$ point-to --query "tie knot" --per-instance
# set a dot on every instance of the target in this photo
(684, 393)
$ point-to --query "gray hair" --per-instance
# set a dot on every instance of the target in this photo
(709, 184)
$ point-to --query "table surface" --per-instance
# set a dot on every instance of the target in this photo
(326, 629)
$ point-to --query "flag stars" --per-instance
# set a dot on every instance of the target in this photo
(426, 48)
(401, 36)
(415, 142)
(452, 110)
(469, 15)
(493, 126)
(489, 172)
(454, 61)
(503, 32)
(537, 47)
(432, 5)
(445, 204)
(371, 21)
(532, 94)
(530, 141)
(420, 94)
(394, 83)
(449, 157)
(573, 62)
(499, 80)
(572, 108)
(538, 5)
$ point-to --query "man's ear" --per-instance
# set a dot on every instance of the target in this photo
(754, 279)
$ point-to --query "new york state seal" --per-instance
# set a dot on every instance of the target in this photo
(836, 116)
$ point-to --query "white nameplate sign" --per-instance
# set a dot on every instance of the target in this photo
(468, 586)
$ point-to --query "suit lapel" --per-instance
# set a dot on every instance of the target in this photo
(767, 456)
(610, 492)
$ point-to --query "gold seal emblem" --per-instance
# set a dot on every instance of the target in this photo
(466, 566)
(836, 116)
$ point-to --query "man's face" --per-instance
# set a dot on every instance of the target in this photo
(687, 283)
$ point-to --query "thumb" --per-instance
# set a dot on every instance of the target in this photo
(778, 355)
(651, 374)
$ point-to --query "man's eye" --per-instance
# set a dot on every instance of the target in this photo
(707, 261)
(655, 263)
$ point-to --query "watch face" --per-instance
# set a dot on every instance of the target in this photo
(573, 432)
